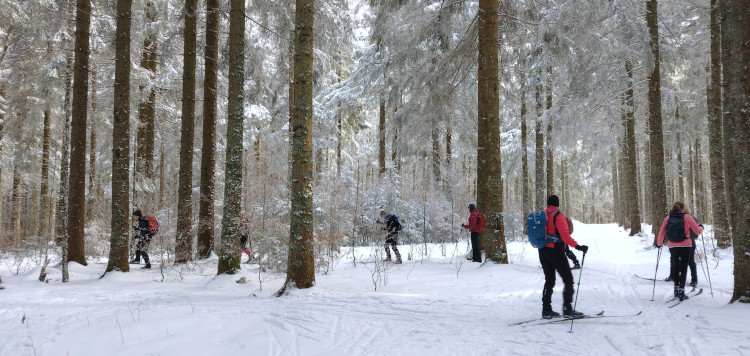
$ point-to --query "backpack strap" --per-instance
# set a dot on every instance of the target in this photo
(554, 222)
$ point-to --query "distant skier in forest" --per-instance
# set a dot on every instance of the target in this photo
(244, 237)
(552, 257)
(691, 260)
(392, 226)
(142, 238)
(476, 225)
(677, 227)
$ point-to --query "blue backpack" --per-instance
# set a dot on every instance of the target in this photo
(536, 224)
(396, 223)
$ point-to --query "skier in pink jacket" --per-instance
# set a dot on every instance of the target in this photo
(677, 227)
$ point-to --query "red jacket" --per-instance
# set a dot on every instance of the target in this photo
(562, 226)
(473, 221)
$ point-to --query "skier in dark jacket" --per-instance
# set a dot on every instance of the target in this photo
(142, 237)
(391, 225)
(475, 229)
(552, 257)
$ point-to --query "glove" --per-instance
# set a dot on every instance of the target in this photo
(582, 248)
(701, 225)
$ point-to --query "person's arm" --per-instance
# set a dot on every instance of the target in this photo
(561, 223)
(662, 232)
(472, 221)
(691, 224)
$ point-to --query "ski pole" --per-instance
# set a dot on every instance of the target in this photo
(708, 273)
(658, 257)
(575, 303)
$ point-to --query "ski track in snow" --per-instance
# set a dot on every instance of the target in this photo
(424, 309)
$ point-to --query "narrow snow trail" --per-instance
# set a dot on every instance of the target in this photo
(444, 305)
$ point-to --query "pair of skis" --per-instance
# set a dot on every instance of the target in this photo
(598, 315)
(690, 294)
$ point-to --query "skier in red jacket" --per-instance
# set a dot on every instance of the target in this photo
(476, 228)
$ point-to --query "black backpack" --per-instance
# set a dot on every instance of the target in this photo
(676, 228)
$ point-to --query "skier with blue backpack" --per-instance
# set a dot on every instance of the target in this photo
(548, 232)
(392, 226)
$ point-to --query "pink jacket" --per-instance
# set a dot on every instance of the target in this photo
(689, 224)
(562, 226)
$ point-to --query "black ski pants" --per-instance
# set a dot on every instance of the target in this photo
(553, 260)
(476, 251)
(679, 260)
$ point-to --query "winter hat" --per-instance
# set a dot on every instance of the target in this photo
(138, 213)
(553, 200)
(383, 212)
(472, 206)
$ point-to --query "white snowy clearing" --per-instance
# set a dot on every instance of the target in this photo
(434, 306)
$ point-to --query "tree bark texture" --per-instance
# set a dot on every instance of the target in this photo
(716, 135)
(45, 202)
(540, 198)
(435, 135)
(301, 265)
(631, 165)
(526, 199)
(145, 197)
(549, 152)
(118, 251)
(208, 153)
(184, 238)
(229, 248)
(489, 178)
(77, 179)
(381, 137)
(735, 59)
(656, 139)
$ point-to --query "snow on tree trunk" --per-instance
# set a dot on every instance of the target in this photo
(631, 164)
(540, 198)
(229, 248)
(301, 264)
(145, 189)
(208, 153)
(120, 224)
(489, 178)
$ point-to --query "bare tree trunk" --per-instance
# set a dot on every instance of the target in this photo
(549, 150)
(489, 178)
(15, 216)
(736, 56)
(659, 197)
(91, 196)
(120, 224)
(631, 166)
(435, 152)
(539, 182)
(680, 183)
(45, 204)
(77, 180)
(145, 198)
(716, 135)
(381, 137)
(208, 157)
(526, 199)
(184, 238)
(229, 248)
(301, 265)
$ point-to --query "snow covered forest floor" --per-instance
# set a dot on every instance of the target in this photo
(440, 305)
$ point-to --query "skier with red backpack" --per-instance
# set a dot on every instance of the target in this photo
(476, 225)
(145, 228)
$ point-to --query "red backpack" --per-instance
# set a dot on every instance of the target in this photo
(153, 225)
(481, 223)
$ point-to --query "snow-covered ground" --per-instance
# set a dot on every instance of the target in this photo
(442, 305)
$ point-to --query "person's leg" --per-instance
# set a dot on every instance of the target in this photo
(672, 266)
(560, 263)
(137, 259)
(549, 284)
(682, 266)
(476, 252)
